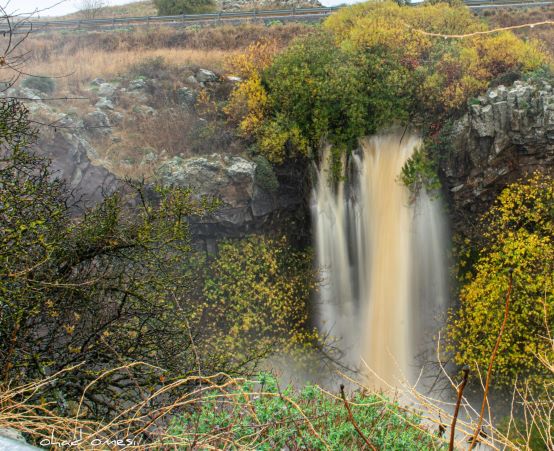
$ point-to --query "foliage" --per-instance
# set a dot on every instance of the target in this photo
(174, 7)
(42, 84)
(534, 437)
(256, 297)
(247, 106)
(318, 90)
(420, 172)
(518, 233)
(117, 285)
(373, 66)
(249, 102)
(266, 417)
(258, 56)
(280, 139)
(265, 176)
(446, 72)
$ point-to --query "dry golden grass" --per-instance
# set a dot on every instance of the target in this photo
(145, 423)
(79, 58)
(79, 69)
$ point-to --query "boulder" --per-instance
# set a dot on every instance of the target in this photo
(106, 90)
(149, 158)
(116, 118)
(137, 84)
(192, 80)
(205, 75)
(186, 96)
(229, 178)
(144, 110)
(97, 82)
(245, 206)
(104, 103)
(97, 123)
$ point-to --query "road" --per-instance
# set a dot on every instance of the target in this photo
(224, 17)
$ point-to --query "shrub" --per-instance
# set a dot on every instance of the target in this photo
(518, 234)
(373, 65)
(120, 284)
(446, 73)
(249, 102)
(420, 172)
(42, 84)
(174, 7)
(257, 297)
(154, 68)
(264, 416)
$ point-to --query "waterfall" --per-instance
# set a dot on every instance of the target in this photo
(382, 259)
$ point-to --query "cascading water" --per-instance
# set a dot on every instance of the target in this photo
(382, 258)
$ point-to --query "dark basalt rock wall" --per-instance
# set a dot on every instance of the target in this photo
(507, 134)
(246, 207)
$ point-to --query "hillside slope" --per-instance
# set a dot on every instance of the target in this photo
(134, 9)
(148, 8)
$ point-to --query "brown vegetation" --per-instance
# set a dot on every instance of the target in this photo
(509, 17)
(77, 59)
(80, 58)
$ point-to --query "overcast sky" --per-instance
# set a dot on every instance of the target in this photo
(68, 6)
(56, 7)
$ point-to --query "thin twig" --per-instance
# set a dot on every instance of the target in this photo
(491, 362)
(457, 408)
(485, 32)
(351, 418)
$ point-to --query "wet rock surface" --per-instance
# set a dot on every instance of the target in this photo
(246, 207)
(506, 134)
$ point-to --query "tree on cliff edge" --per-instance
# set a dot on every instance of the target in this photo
(173, 7)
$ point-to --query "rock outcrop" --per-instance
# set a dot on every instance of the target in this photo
(66, 145)
(246, 207)
(70, 153)
(506, 134)
(233, 5)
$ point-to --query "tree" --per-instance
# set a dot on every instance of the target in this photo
(117, 285)
(519, 230)
(372, 65)
(174, 7)
(90, 9)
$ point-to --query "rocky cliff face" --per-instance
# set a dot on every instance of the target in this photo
(246, 205)
(65, 144)
(506, 134)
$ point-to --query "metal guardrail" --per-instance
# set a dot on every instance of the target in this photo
(223, 16)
